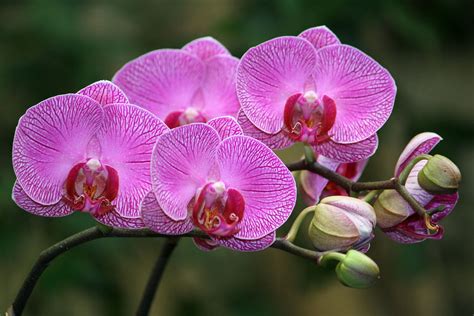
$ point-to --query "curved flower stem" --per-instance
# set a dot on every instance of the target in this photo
(297, 223)
(155, 276)
(406, 171)
(352, 186)
(49, 254)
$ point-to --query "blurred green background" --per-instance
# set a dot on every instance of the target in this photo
(55, 47)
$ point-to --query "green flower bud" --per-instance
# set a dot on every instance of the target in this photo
(357, 270)
(391, 209)
(439, 176)
(341, 223)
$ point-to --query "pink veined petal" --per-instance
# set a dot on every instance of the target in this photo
(320, 36)
(205, 244)
(401, 237)
(114, 219)
(314, 184)
(182, 161)
(274, 141)
(226, 126)
(266, 184)
(104, 92)
(205, 48)
(270, 73)
(422, 143)
(158, 221)
(161, 81)
(218, 88)
(50, 138)
(364, 91)
(248, 245)
(349, 152)
(447, 200)
(127, 138)
(58, 209)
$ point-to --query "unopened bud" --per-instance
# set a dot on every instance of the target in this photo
(391, 209)
(439, 176)
(341, 223)
(357, 270)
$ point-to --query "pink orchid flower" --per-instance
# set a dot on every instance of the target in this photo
(87, 152)
(414, 228)
(182, 86)
(230, 186)
(313, 89)
(315, 187)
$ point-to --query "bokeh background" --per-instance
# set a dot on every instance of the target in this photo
(54, 47)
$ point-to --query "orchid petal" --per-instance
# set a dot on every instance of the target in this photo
(364, 91)
(205, 48)
(161, 81)
(348, 152)
(127, 138)
(50, 138)
(226, 126)
(181, 162)
(58, 209)
(269, 74)
(312, 183)
(414, 188)
(218, 88)
(273, 141)
(158, 221)
(320, 36)
(448, 201)
(248, 245)
(267, 186)
(114, 219)
(422, 143)
(104, 92)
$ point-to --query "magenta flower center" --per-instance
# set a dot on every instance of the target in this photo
(91, 187)
(188, 116)
(217, 210)
(308, 119)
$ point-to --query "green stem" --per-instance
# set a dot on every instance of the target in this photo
(297, 223)
(309, 155)
(406, 171)
(331, 256)
(371, 196)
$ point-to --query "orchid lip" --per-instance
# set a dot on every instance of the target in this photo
(308, 118)
(91, 187)
(184, 117)
(218, 210)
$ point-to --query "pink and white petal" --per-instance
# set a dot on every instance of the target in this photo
(364, 91)
(114, 219)
(248, 245)
(320, 36)
(51, 137)
(314, 184)
(274, 141)
(218, 88)
(226, 126)
(268, 187)
(155, 219)
(205, 48)
(181, 163)
(448, 201)
(19, 196)
(161, 81)
(421, 144)
(414, 188)
(401, 237)
(104, 92)
(127, 138)
(270, 73)
(348, 152)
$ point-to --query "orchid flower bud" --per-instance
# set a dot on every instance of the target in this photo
(357, 270)
(342, 223)
(391, 209)
(439, 176)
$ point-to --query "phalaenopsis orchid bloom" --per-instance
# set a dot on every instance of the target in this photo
(85, 152)
(313, 89)
(230, 186)
(182, 86)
